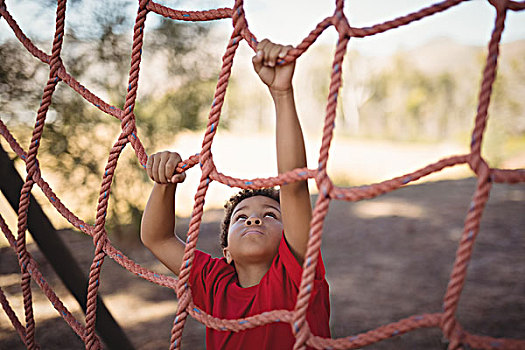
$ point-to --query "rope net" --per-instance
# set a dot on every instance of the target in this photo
(446, 320)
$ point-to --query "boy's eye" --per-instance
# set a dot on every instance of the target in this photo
(270, 214)
(241, 216)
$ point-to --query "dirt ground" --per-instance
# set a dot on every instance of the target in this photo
(386, 259)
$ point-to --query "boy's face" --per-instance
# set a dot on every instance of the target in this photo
(255, 231)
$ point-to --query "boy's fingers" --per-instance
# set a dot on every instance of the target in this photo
(161, 170)
(155, 167)
(262, 45)
(169, 170)
(257, 61)
(178, 178)
(261, 48)
(266, 53)
(273, 52)
(149, 165)
(171, 165)
(284, 51)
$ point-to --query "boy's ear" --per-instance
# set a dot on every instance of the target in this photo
(227, 255)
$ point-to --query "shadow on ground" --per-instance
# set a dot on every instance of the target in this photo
(386, 259)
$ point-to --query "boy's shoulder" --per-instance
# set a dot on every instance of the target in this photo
(204, 262)
(213, 270)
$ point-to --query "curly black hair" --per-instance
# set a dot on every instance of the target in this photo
(236, 199)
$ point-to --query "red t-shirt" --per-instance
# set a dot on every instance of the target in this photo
(216, 290)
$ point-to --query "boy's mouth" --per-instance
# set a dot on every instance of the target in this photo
(252, 231)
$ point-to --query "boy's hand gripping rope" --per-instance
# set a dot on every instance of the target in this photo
(446, 320)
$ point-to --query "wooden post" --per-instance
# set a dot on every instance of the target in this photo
(58, 255)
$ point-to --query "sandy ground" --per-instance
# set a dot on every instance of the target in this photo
(386, 259)
(246, 155)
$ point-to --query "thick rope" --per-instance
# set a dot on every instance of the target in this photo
(446, 320)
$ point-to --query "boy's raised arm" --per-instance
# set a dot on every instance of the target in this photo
(295, 198)
(157, 230)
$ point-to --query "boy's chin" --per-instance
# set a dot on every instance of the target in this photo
(256, 256)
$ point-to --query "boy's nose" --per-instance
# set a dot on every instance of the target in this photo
(253, 221)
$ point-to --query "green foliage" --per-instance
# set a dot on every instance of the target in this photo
(78, 137)
(181, 109)
(413, 105)
(419, 105)
(17, 67)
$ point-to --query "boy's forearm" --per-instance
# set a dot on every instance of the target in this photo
(295, 197)
(296, 210)
(158, 219)
(290, 144)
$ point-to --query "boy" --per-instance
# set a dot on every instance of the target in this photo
(264, 234)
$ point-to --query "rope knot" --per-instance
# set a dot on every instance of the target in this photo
(502, 5)
(324, 183)
(457, 338)
(129, 126)
(238, 17)
(143, 4)
(207, 165)
(57, 67)
(447, 326)
(479, 166)
(340, 23)
(302, 333)
(326, 187)
(100, 238)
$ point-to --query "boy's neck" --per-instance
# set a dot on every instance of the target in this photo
(251, 274)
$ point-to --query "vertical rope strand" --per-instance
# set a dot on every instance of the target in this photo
(489, 76)
(31, 169)
(299, 325)
(464, 252)
(183, 290)
(128, 127)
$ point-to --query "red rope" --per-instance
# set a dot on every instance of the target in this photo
(446, 320)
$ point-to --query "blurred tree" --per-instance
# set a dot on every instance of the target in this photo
(506, 125)
(78, 137)
(408, 104)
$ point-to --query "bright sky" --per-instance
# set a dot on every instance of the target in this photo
(291, 20)
(468, 23)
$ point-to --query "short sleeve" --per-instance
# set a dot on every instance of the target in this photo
(204, 275)
(198, 274)
(294, 269)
